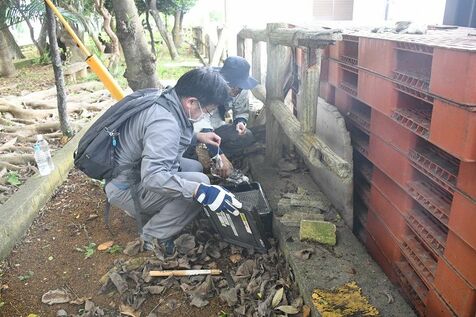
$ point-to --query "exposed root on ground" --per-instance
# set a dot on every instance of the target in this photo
(23, 117)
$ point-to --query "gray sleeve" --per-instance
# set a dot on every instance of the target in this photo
(161, 145)
(241, 106)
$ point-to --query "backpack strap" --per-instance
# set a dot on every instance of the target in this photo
(139, 214)
(107, 209)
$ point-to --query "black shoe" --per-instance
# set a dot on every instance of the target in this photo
(168, 247)
(165, 247)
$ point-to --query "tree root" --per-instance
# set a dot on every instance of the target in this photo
(17, 159)
(7, 145)
(20, 113)
(23, 121)
(38, 114)
(7, 122)
(37, 128)
(9, 166)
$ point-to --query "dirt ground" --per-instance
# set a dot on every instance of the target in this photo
(32, 78)
(52, 256)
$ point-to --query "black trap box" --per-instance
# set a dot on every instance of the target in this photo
(251, 228)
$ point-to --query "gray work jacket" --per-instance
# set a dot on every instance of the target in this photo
(157, 137)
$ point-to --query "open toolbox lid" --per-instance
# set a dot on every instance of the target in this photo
(247, 230)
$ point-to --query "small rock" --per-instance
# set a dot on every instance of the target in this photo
(318, 231)
(61, 313)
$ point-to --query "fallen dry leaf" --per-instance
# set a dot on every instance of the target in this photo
(129, 311)
(119, 282)
(277, 297)
(304, 254)
(105, 245)
(155, 289)
(57, 296)
(92, 217)
(185, 243)
(230, 296)
(246, 268)
(288, 309)
(306, 311)
(80, 300)
(132, 248)
(235, 258)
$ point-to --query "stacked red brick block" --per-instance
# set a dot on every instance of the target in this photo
(410, 105)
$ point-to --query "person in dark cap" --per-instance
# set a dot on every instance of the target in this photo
(235, 136)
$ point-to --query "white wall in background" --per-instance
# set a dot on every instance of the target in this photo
(420, 11)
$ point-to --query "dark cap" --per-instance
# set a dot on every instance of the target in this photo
(236, 72)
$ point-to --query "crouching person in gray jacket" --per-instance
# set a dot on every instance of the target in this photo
(169, 189)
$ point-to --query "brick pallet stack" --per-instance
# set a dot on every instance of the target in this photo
(410, 105)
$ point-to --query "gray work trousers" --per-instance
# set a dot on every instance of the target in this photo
(165, 216)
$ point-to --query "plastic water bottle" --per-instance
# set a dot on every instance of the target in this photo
(43, 156)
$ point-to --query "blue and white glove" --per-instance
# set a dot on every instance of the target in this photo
(217, 199)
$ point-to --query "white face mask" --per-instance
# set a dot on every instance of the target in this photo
(200, 117)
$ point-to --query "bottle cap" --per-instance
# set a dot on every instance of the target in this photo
(39, 137)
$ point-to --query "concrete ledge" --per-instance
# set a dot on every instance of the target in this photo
(19, 211)
(328, 267)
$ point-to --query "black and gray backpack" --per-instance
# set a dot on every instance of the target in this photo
(95, 153)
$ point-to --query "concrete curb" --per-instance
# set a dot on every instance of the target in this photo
(19, 211)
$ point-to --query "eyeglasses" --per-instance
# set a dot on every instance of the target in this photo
(208, 112)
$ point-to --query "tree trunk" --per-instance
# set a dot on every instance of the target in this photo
(151, 33)
(107, 18)
(163, 30)
(15, 50)
(7, 68)
(42, 36)
(141, 70)
(58, 71)
(177, 29)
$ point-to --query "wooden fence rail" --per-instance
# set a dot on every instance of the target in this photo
(279, 119)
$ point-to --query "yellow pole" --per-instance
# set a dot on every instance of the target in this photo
(105, 76)
(96, 66)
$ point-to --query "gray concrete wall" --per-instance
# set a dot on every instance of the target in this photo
(331, 128)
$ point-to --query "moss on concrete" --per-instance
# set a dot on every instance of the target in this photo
(318, 231)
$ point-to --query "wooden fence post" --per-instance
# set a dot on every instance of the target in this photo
(256, 61)
(309, 90)
(240, 46)
(277, 65)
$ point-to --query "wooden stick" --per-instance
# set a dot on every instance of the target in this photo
(185, 272)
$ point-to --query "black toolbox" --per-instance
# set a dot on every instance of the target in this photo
(254, 224)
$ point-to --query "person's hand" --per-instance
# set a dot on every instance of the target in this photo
(209, 138)
(241, 128)
(225, 169)
(217, 199)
